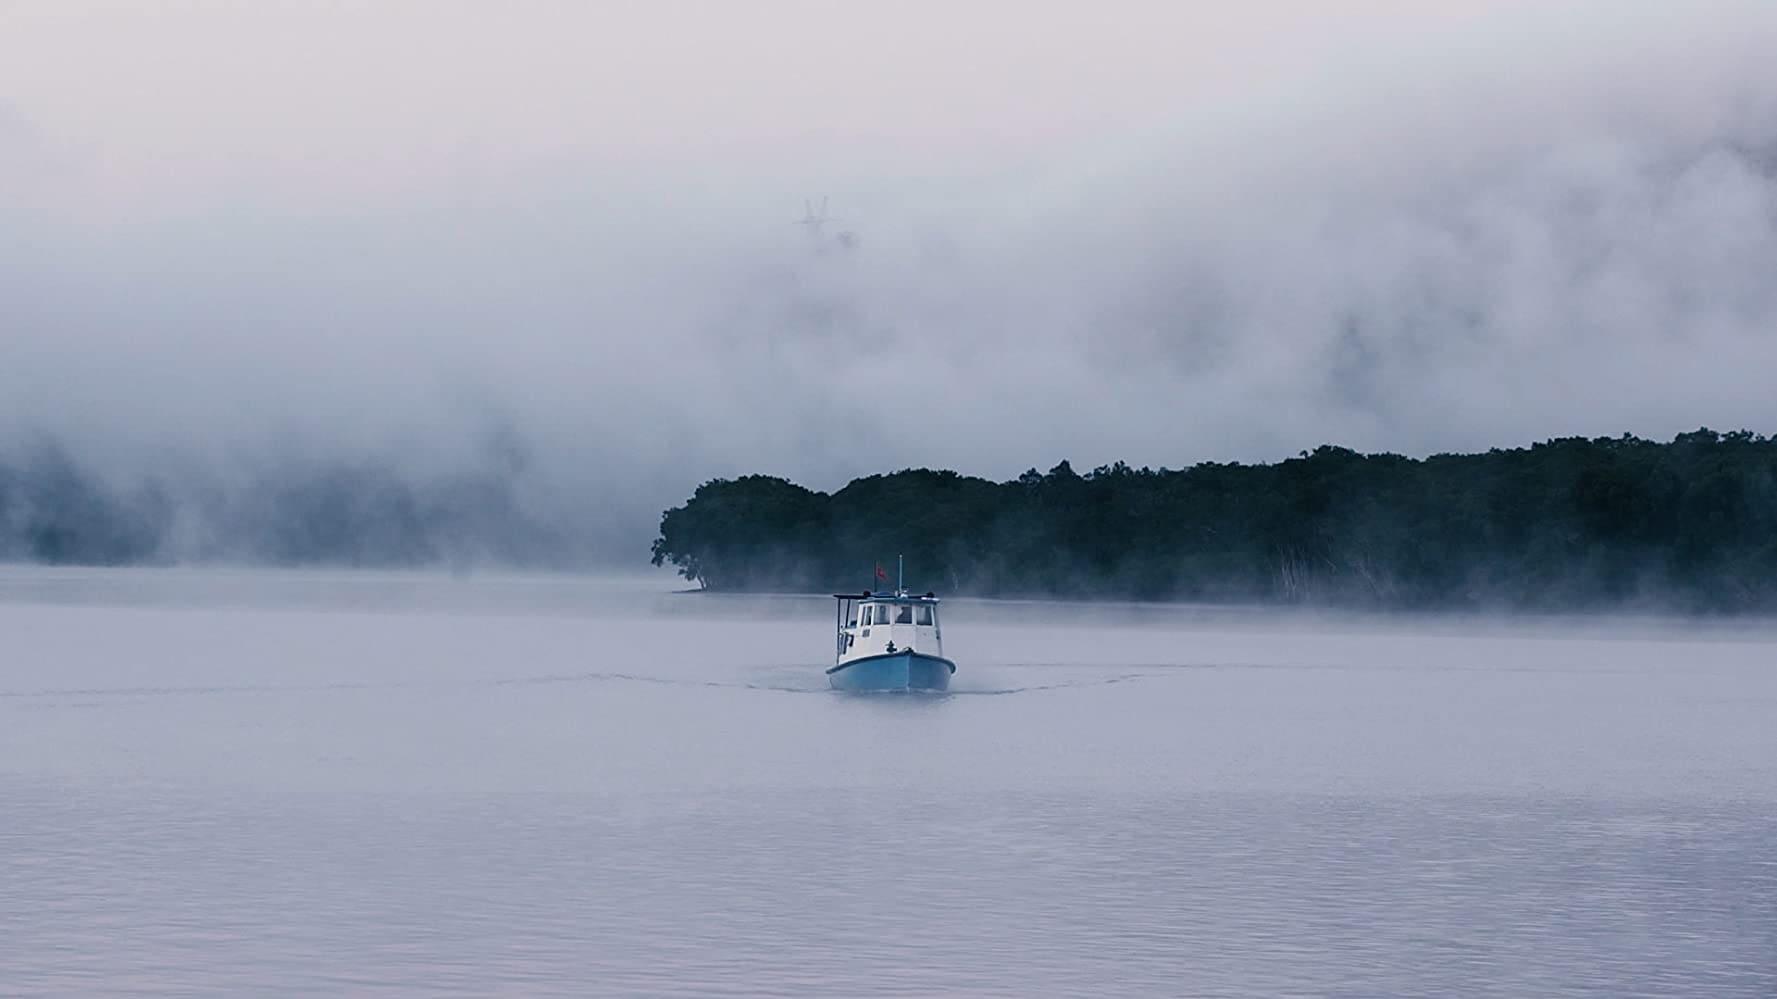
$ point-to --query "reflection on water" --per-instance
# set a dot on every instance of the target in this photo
(236, 784)
(842, 893)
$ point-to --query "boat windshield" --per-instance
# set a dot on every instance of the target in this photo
(881, 614)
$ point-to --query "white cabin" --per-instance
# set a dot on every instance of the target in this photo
(873, 624)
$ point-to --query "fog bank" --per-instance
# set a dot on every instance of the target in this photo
(552, 250)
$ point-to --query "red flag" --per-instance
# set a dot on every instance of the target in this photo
(881, 573)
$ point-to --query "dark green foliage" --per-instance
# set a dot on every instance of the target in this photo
(1569, 523)
(730, 541)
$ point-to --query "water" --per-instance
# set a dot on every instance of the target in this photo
(235, 783)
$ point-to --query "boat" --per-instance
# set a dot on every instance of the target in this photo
(889, 641)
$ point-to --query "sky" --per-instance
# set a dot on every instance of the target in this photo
(421, 233)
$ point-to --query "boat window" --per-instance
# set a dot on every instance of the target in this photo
(904, 614)
(924, 615)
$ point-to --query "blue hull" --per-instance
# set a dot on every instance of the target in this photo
(900, 671)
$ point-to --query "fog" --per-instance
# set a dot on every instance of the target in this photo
(222, 782)
(554, 245)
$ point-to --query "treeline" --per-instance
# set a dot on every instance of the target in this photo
(1570, 523)
(54, 510)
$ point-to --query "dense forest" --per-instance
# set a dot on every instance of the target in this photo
(1570, 523)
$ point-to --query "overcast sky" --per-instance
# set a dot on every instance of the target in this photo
(1155, 232)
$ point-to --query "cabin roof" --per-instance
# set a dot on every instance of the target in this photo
(889, 598)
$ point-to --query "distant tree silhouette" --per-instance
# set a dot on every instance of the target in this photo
(1567, 523)
(339, 513)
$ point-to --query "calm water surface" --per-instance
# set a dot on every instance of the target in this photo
(248, 783)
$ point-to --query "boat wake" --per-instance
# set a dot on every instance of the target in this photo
(787, 680)
(1064, 685)
(781, 682)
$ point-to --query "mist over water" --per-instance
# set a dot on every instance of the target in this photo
(218, 783)
(465, 286)
(442, 245)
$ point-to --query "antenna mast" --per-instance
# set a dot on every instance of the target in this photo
(811, 219)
